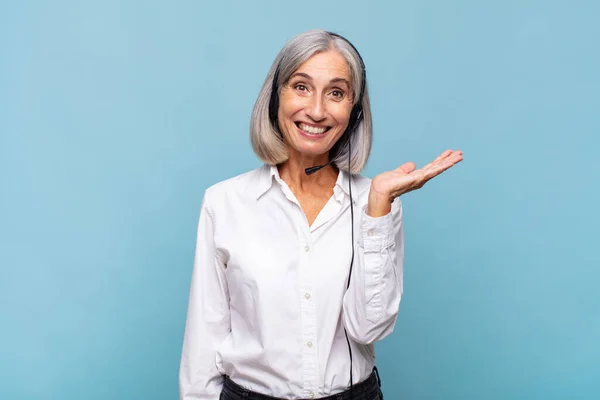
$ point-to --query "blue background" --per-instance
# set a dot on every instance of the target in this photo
(115, 116)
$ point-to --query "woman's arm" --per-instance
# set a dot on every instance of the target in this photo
(208, 321)
(372, 301)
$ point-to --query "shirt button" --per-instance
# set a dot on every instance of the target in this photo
(306, 248)
(307, 296)
(371, 232)
(309, 344)
(311, 395)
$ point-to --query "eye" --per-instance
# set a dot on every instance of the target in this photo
(337, 94)
(300, 87)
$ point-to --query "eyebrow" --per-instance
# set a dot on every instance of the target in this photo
(334, 80)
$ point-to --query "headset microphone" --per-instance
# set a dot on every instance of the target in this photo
(312, 170)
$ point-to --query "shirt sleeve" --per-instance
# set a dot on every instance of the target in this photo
(208, 320)
(372, 301)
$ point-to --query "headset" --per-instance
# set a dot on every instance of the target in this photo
(356, 116)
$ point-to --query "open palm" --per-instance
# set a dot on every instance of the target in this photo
(407, 178)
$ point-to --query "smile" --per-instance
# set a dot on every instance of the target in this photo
(312, 130)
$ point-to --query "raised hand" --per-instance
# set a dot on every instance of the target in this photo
(387, 186)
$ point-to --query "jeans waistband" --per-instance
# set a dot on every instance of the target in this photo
(365, 390)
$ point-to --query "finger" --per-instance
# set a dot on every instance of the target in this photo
(444, 154)
(439, 158)
(443, 166)
(453, 157)
(423, 175)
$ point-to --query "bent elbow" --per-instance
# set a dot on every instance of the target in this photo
(368, 333)
(373, 327)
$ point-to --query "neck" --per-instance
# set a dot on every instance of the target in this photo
(293, 173)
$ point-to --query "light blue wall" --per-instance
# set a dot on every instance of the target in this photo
(116, 115)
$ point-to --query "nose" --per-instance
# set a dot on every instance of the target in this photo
(315, 108)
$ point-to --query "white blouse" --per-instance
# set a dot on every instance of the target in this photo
(268, 301)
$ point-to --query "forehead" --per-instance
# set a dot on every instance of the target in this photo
(327, 65)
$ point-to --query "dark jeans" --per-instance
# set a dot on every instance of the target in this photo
(369, 389)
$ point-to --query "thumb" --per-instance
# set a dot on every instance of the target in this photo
(407, 168)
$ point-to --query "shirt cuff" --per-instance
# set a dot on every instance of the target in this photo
(377, 233)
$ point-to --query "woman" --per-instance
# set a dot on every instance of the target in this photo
(297, 273)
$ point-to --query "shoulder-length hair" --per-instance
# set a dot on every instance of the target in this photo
(266, 139)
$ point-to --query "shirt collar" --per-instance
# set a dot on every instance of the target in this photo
(265, 179)
(341, 185)
(268, 173)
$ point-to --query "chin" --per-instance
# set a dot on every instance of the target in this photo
(313, 152)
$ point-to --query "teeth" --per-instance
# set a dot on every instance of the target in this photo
(311, 129)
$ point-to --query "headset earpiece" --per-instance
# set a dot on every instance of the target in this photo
(274, 101)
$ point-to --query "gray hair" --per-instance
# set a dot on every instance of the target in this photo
(266, 139)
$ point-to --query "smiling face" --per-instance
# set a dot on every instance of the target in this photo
(315, 105)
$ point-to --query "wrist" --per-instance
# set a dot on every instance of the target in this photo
(379, 204)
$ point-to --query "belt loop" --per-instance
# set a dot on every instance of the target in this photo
(377, 373)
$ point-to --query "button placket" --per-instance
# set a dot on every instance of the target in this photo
(309, 316)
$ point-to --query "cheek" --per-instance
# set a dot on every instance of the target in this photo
(289, 105)
(341, 114)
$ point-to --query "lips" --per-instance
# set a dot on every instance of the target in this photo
(312, 129)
